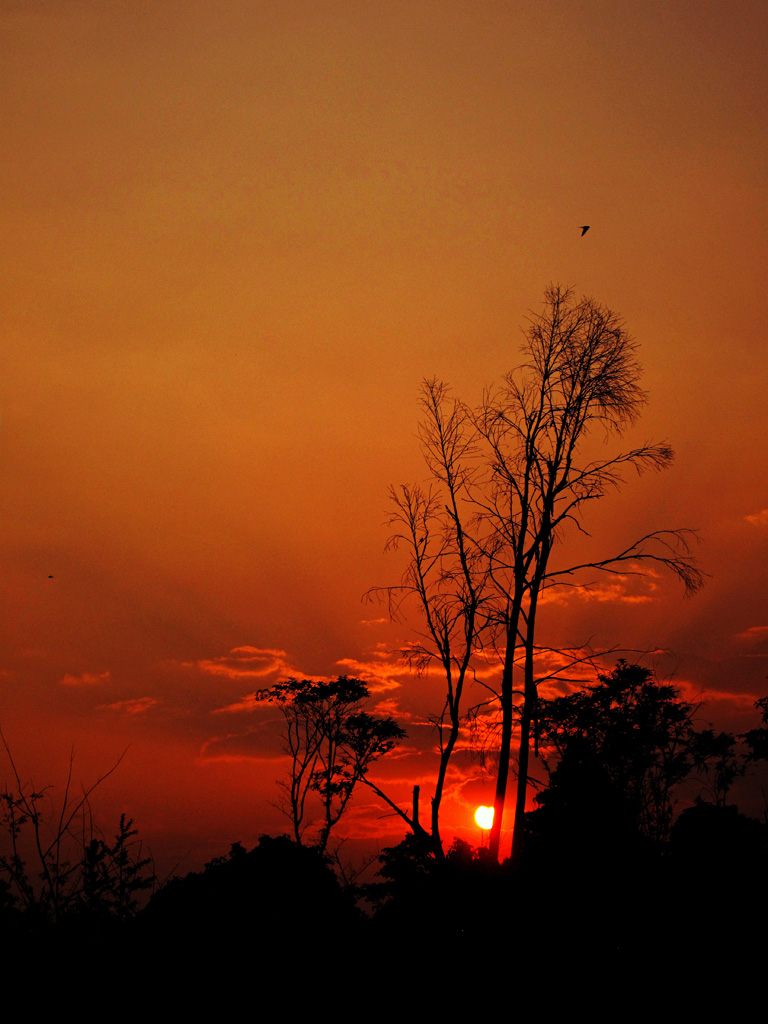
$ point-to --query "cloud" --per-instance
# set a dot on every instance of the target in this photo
(386, 672)
(137, 706)
(756, 639)
(388, 707)
(248, 662)
(694, 693)
(250, 702)
(759, 518)
(616, 591)
(754, 633)
(85, 679)
(402, 716)
(234, 748)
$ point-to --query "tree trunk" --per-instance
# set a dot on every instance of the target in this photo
(522, 774)
(505, 747)
(529, 706)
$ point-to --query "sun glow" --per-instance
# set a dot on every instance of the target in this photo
(484, 817)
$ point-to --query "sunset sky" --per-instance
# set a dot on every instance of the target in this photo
(237, 236)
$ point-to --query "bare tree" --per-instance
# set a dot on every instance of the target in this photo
(509, 479)
(331, 742)
(55, 859)
(446, 573)
(580, 373)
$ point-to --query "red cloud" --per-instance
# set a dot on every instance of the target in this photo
(137, 706)
(759, 518)
(85, 679)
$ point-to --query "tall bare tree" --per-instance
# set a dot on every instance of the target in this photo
(517, 474)
(447, 573)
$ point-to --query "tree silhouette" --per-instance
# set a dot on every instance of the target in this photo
(431, 904)
(58, 865)
(331, 742)
(114, 874)
(621, 746)
(278, 884)
(757, 739)
(276, 913)
(509, 478)
(718, 761)
(447, 574)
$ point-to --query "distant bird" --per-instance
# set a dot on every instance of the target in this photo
(584, 229)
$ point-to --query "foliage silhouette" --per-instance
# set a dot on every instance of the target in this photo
(113, 875)
(279, 883)
(717, 841)
(431, 901)
(718, 762)
(277, 911)
(716, 883)
(623, 744)
(757, 739)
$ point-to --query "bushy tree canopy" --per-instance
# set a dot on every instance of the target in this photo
(631, 735)
(332, 742)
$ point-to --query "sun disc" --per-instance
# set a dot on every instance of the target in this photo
(484, 817)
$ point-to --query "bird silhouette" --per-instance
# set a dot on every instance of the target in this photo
(584, 229)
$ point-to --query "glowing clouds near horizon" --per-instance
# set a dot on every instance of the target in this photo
(484, 817)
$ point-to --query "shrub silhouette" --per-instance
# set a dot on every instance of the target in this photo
(261, 907)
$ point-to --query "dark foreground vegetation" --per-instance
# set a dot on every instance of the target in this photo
(611, 887)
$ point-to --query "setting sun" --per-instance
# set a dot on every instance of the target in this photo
(484, 817)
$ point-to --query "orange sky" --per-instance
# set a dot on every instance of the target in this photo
(237, 236)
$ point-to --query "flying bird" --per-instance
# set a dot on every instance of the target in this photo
(584, 229)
